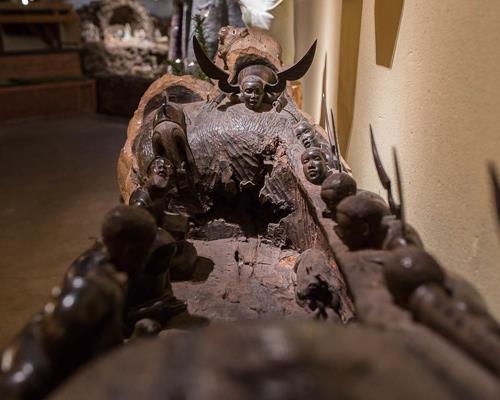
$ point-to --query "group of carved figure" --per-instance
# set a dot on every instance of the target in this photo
(121, 287)
(416, 281)
(118, 285)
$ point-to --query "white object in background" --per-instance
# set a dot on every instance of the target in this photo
(256, 12)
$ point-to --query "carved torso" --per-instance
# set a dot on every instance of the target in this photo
(232, 142)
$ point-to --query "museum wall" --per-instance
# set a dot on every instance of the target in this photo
(436, 100)
(318, 19)
(439, 106)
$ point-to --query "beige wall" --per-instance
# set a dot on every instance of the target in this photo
(296, 24)
(282, 29)
(318, 19)
(440, 106)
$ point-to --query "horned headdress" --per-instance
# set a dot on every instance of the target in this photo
(275, 81)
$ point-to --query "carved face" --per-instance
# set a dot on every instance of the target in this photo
(336, 188)
(359, 219)
(314, 164)
(160, 172)
(351, 231)
(252, 93)
(309, 138)
(301, 129)
(128, 233)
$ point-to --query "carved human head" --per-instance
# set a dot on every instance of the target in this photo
(359, 221)
(310, 139)
(252, 92)
(407, 268)
(128, 234)
(160, 173)
(252, 81)
(302, 128)
(314, 165)
(335, 188)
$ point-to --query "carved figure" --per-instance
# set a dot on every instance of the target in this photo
(417, 282)
(302, 128)
(314, 165)
(169, 141)
(309, 139)
(133, 244)
(317, 286)
(307, 135)
(252, 81)
(406, 269)
(137, 247)
(339, 184)
(335, 188)
(156, 193)
(82, 320)
(256, 81)
(476, 333)
(359, 222)
(128, 233)
(126, 274)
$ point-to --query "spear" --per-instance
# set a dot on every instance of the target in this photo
(332, 134)
(337, 144)
(382, 174)
(327, 122)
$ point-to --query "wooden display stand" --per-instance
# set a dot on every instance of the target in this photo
(40, 71)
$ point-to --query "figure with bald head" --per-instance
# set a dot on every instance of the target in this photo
(359, 222)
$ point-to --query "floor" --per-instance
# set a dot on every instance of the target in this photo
(57, 180)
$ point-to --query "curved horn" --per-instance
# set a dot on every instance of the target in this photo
(382, 175)
(295, 72)
(211, 70)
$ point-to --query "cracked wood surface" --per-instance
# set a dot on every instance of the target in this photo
(250, 279)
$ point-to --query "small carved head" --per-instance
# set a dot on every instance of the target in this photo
(407, 268)
(309, 139)
(253, 81)
(302, 128)
(128, 234)
(359, 221)
(252, 92)
(335, 188)
(314, 165)
(160, 173)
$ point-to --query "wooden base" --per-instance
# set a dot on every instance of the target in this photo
(47, 99)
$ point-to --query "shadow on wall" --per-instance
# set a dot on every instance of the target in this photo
(388, 15)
